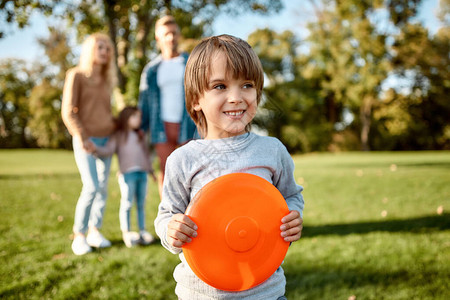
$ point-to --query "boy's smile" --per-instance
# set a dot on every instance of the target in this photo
(229, 104)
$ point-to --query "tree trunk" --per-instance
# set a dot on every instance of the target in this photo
(145, 23)
(365, 115)
(111, 16)
(331, 109)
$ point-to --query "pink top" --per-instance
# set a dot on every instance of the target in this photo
(133, 154)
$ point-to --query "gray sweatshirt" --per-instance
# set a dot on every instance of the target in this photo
(192, 166)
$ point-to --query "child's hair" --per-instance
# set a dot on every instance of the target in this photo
(87, 58)
(242, 62)
(122, 121)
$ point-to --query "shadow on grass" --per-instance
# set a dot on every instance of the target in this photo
(422, 224)
(321, 282)
(119, 243)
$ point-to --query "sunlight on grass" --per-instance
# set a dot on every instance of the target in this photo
(376, 226)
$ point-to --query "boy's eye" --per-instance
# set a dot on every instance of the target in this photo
(219, 87)
(248, 85)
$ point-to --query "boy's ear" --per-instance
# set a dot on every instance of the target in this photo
(197, 106)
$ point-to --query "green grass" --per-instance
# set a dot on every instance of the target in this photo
(376, 227)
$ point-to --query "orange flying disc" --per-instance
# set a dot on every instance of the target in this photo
(238, 245)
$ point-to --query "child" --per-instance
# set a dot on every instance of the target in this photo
(223, 84)
(134, 162)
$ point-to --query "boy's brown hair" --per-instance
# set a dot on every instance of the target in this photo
(242, 62)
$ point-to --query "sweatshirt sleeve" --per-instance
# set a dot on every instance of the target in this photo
(70, 104)
(285, 182)
(175, 199)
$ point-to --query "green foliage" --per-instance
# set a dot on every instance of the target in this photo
(349, 59)
(376, 226)
(130, 25)
(331, 95)
(45, 121)
(425, 61)
(19, 11)
(16, 82)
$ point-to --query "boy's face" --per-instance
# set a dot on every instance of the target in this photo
(229, 104)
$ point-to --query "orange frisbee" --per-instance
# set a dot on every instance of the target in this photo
(239, 244)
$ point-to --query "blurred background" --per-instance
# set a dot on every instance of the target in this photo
(340, 75)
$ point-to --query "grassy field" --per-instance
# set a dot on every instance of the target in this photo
(376, 227)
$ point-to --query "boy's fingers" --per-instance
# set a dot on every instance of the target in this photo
(293, 214)
(291, 224)
(292, 231)
(292, 238)
(183, 219)
(179, 236)
(181, 229)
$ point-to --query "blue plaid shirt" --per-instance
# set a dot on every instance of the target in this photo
(150, 105)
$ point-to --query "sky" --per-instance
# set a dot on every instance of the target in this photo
(22, 43)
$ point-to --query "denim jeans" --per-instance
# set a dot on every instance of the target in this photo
(94, 172)
(133, 185)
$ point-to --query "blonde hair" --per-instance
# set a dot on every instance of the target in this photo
(86, 63)
(242, 62)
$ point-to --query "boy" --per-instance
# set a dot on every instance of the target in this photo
(223, 84)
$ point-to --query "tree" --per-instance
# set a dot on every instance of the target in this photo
(16, 82)
(353, 47)
(349, 60)
(416, 116)
(130, 26)
(289, 110)
(45, 122)
(19, 11)
(424, 62)
(129, 23)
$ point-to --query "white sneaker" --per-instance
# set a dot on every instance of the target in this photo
(97, 240)
(80, 246)
(130, 238)
(145, 238)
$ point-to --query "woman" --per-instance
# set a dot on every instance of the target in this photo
(86, 112)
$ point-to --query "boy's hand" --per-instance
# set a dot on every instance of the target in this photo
(180, 230)
(291, 230)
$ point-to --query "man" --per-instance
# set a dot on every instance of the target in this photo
(161, 95)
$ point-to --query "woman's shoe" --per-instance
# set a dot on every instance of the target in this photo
(97, 240)
(80, 246)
